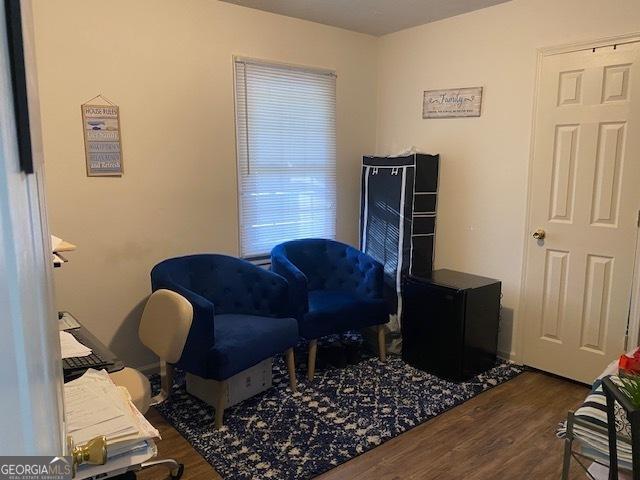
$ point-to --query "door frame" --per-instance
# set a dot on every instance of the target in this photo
(30, 351)
(633, 333)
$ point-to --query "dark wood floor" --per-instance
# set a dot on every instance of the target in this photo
(505, 433)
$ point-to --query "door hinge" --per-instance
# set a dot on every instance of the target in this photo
(638, 222)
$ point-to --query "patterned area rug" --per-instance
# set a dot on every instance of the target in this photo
(341, 414)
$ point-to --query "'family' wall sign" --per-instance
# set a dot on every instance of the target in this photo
(452, 103)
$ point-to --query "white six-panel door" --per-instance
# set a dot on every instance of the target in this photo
(585, 197)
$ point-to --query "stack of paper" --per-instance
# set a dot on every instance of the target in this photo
(71, 347)
(96, 406)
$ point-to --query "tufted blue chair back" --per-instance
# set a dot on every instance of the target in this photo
(231, 284)
(331, 265)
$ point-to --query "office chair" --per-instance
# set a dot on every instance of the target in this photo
(163, 328)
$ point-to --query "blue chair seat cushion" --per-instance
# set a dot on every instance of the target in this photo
(242, 341)
(337, 311)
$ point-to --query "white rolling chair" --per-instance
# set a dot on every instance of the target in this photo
(164, 327)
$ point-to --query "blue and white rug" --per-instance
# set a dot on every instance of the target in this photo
(338, 416)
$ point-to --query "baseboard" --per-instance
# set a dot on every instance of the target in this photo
(150, 369)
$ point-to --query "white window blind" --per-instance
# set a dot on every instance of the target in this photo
(286, 135)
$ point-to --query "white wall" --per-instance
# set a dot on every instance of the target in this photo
(482, 205)
(168, 65)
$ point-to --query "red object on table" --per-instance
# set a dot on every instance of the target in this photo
(630, 364)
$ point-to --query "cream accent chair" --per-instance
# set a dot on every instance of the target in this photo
(164, 327)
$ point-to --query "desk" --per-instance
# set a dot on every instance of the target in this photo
(117, 465)
(85, 337)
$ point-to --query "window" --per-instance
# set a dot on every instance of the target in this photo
(285, 126)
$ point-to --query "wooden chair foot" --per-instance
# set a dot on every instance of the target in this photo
(220, 403)
(311, 363)
(382, 344)
(291, 366)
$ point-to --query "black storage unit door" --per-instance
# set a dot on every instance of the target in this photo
(398, 217)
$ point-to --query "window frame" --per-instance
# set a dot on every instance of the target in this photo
(261, 258)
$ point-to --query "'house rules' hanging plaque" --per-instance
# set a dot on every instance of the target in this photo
(102, 143)
(451, 103)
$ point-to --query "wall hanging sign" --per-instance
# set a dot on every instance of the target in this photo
(452, 103)
(102, 142)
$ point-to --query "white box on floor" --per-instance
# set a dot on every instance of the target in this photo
(243, 385)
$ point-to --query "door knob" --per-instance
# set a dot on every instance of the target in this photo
(539, 234)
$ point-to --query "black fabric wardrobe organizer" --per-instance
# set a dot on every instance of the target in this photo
(399, 199)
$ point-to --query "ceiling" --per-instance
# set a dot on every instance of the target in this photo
(375, 17)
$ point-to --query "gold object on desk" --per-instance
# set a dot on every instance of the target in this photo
(94, 452)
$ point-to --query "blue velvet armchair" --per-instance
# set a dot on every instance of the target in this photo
(333, 288)
(241, 315)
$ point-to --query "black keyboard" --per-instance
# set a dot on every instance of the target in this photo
(82, 363)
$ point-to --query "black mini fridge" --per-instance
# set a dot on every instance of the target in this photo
(450, 323)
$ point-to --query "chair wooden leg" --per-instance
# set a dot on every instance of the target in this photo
(220, 401)
(291, 366)
(382, 344)
(311, 363)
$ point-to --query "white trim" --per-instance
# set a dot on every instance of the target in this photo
(365, 222)
(633, 327)
(588, 45)
(426, 193)
(425, 215)
(32, 398)
(518, 331)
(290, 66)
(423, 235)
(517, 350)
(235, 146)
(403, 192)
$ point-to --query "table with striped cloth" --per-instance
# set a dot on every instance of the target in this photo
(594, 441)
